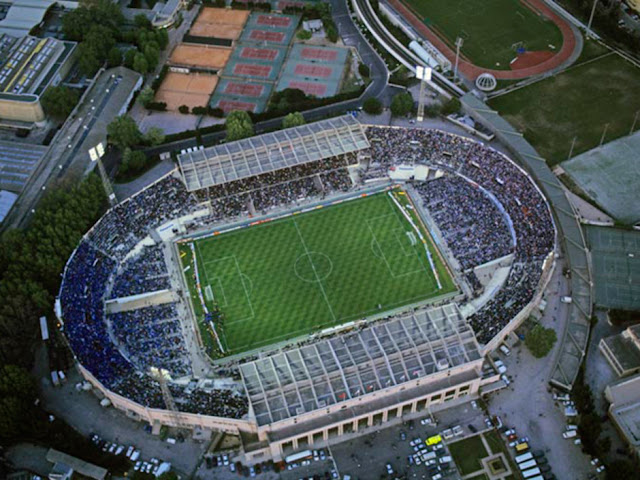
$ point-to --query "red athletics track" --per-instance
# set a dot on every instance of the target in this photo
(471, 71)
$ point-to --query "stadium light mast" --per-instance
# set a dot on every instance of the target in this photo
(96, 153)
(424, 75)
(593, 12)
(163, 376)
(459, 43)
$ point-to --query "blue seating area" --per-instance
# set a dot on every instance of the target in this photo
(83, 312)
(147, 272)
(153, 338)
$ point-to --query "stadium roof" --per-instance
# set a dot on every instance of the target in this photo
(327, 372)
(271, 151)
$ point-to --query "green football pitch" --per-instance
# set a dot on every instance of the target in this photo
(298, 274)
(594, 100)
(490, 29)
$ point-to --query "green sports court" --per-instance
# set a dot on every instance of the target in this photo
(292, 276)
(492, 31)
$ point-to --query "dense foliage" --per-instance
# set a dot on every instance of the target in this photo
(372, 106)
(238, 125)
(401, 104)
(540, 340)
(31, 261)
(293, 119)
(59, 101)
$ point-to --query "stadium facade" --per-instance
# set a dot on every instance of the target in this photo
(317, 389)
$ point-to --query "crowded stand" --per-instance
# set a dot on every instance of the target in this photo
(474, 228)
(470, 223)
(152, 337)
(146, 272)
(513, 189)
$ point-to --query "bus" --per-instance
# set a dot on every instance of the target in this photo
(531, 473)
(296, 457)
(527, 465)
(524, 457)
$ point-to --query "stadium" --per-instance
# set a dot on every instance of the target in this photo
(300, 286)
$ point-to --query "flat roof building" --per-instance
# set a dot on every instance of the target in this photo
(624, 410)
(28, 65)
(622, 351)
(24, 15)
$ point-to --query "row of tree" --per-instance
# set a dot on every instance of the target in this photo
(32, 259)
(98, 27)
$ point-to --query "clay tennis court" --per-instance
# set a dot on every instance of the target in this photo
(267, 36)
(252, 70)
(273, 21)
(219, 23)
(317, 89)
(230, 105)
(309, 53)
(200, 56)
(258, 53)
(191, 89)
(312, 70)
(234, 88)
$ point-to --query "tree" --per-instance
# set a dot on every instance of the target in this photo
(304, 34)
(170, 475)
(59, 101)
(141, 21)
(183, 109)
(363, 70)
(152, 55)
(372, 106)
(154, 136)
(238, 125)
(140, 63)
(540, 340)
(401, 104)
(114, 57)
(129, 56)
(146, 96)
(453, 105)
(293, 119)
(123, 132)
(88, 60)
(620, 469)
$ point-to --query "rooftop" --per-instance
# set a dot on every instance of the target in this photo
(624, 350)
(28, 63)
(335, 370)
(271, 151)
(625, 407)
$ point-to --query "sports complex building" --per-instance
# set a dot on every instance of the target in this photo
(28, 65)
(361, 284)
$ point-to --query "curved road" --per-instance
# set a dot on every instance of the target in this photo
(352, 38)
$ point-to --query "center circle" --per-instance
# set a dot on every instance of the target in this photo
(313, 267)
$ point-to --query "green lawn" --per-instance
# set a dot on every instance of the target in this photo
(578, 102)
(489, 29)
(467, 454)
(282, 279)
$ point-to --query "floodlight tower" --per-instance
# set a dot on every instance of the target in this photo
(96, 153)
(163, 376)
(459, 43)
(424, 75)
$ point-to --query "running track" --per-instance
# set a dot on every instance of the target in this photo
(471, 71)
